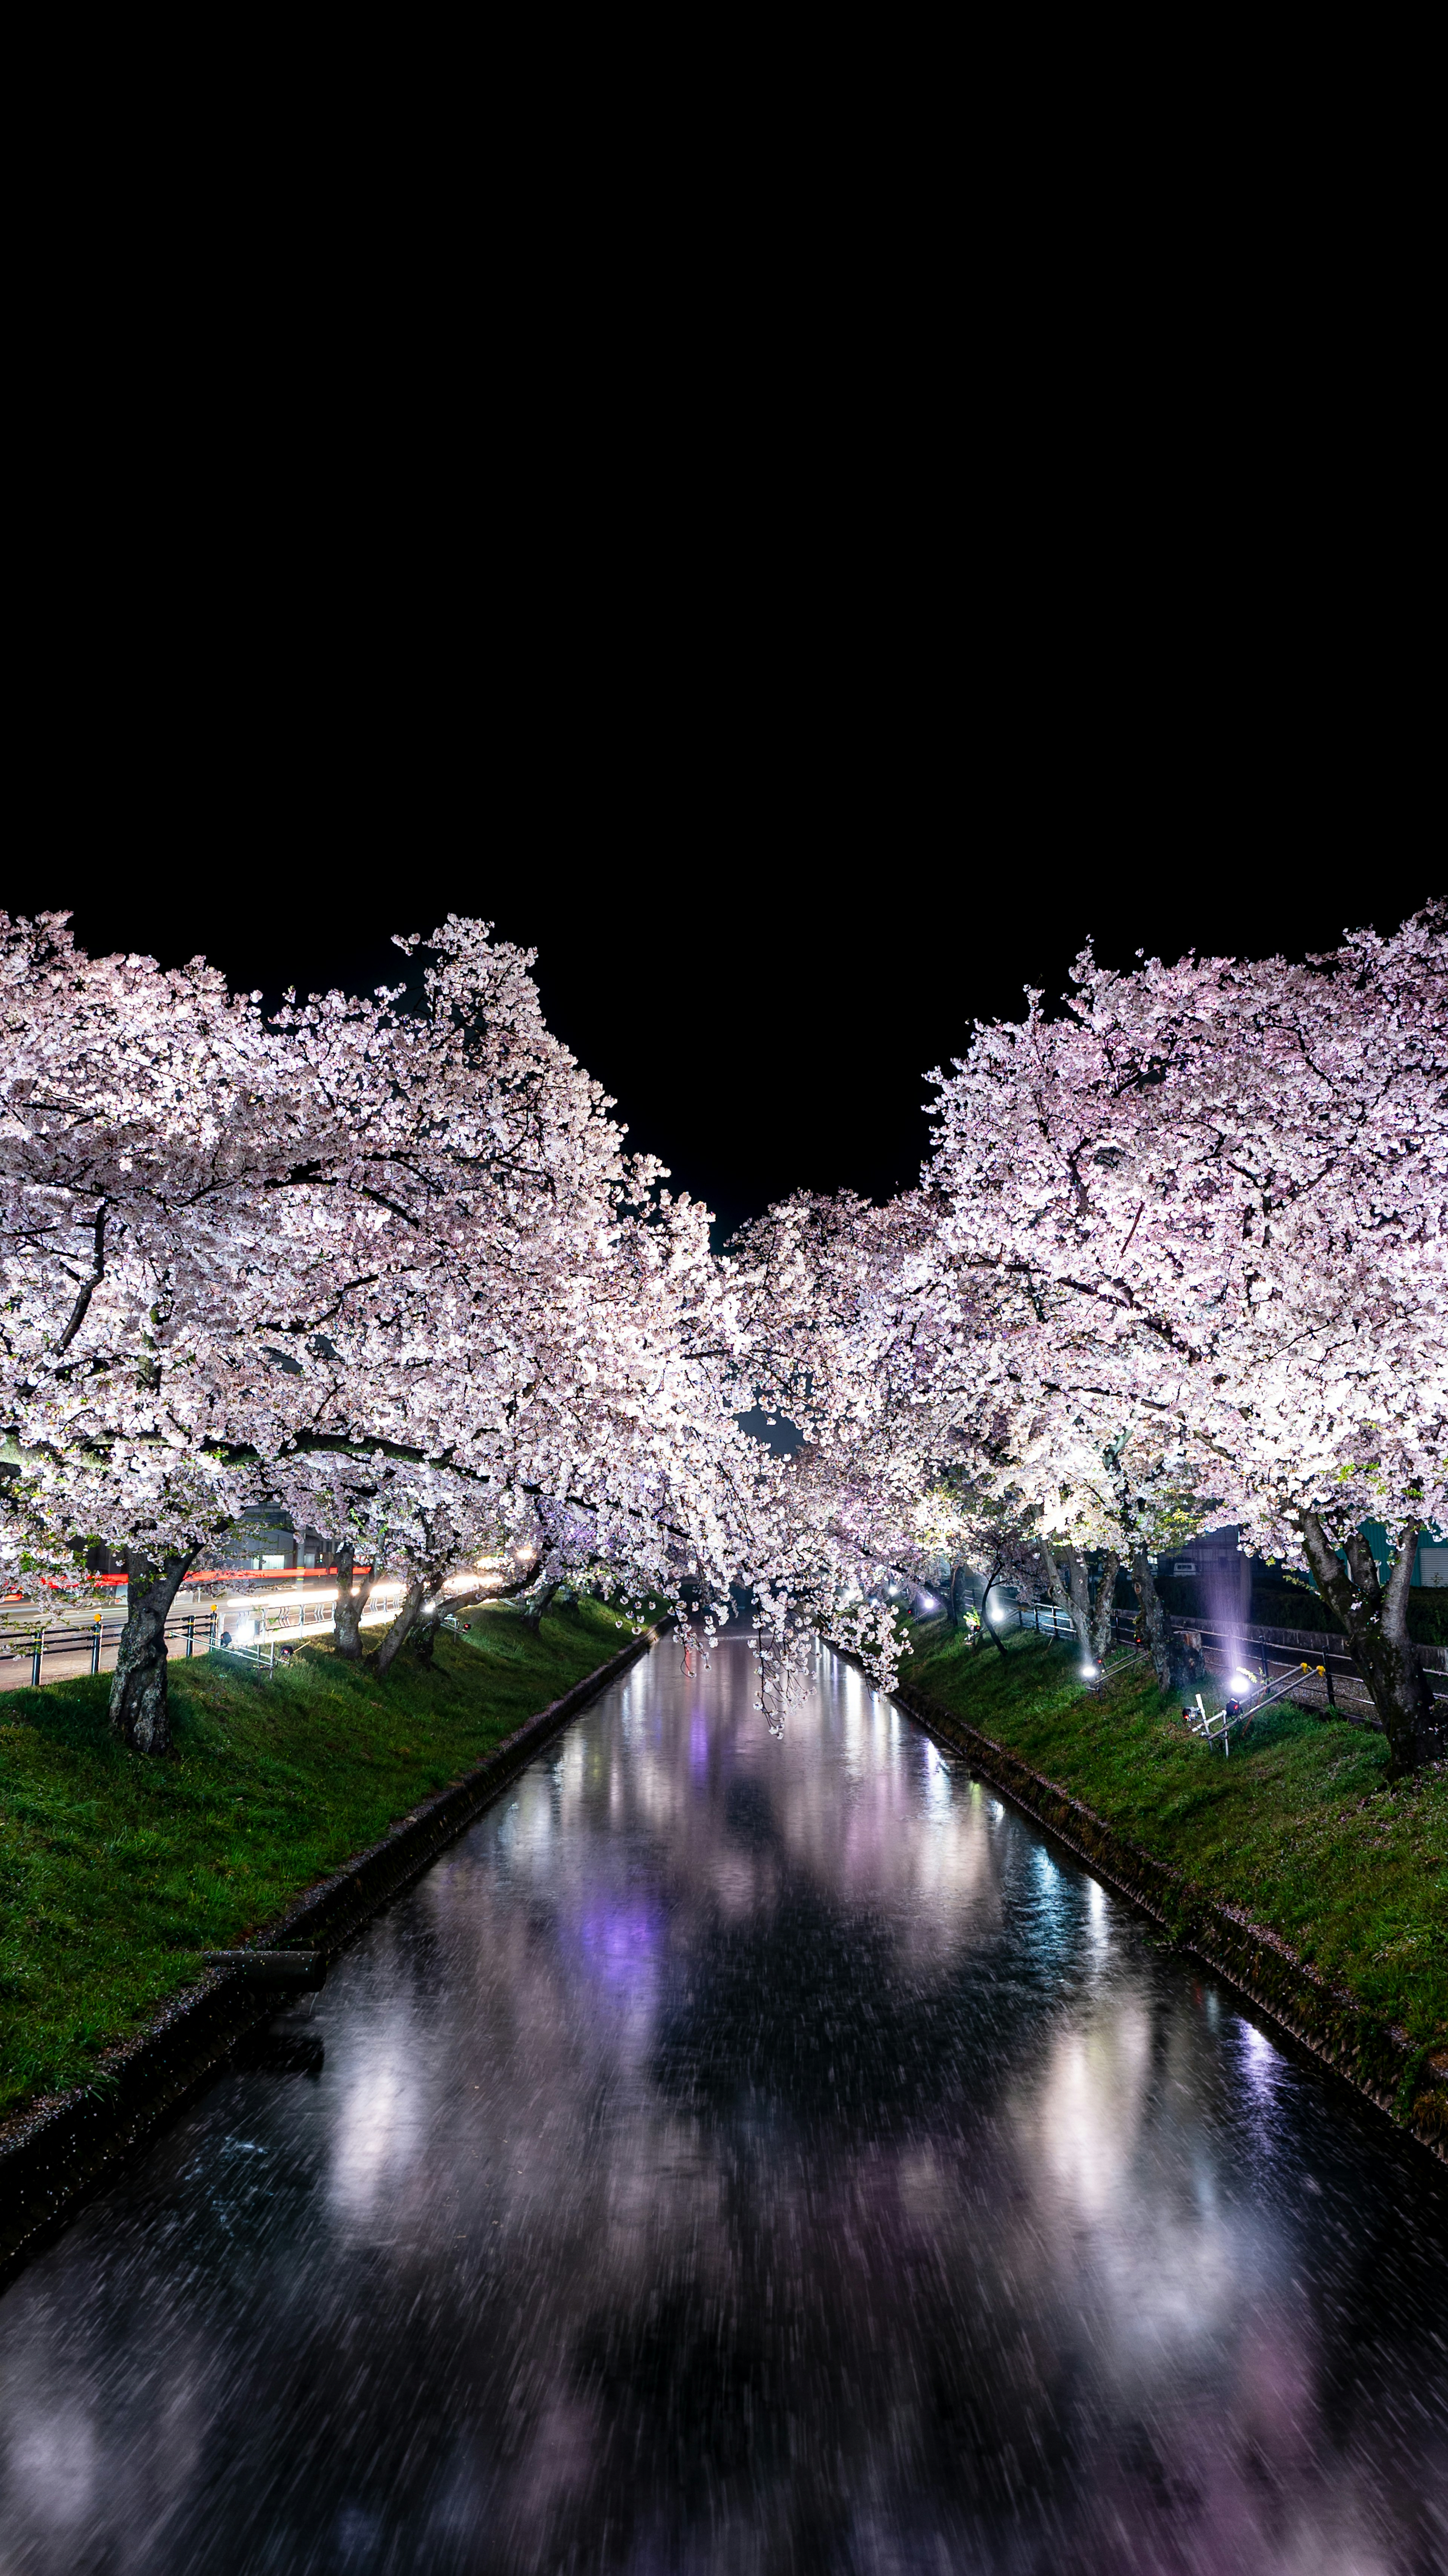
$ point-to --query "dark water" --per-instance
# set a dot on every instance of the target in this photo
(746, 2155)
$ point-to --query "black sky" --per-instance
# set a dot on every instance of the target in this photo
(790, 753)
(803, 640)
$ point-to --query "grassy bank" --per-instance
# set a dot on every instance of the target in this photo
(1296, 1829)
(116, 1871)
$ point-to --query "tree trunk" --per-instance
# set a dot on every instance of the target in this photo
(140, 1715)
(401, 1628)
(421, 1636)
(351, 1602)
(959, 1594)
(1375, 1617)
(1093, 1629)
(997, 1640)
(1165, 1661)
(1100, 1628)
(1077, 1601)
(532, 1612)
(446, 1605)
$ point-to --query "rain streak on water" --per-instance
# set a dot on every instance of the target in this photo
(752, 2154)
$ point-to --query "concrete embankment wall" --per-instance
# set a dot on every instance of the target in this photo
(1405, 2081)
(51, 2157)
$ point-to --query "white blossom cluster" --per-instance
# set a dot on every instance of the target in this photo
(386, 1267)
(1180, 1256)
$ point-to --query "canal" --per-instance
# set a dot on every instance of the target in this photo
(746, 2152)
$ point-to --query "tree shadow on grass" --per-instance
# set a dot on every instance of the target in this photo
(71, 1713)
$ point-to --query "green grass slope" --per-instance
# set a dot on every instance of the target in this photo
(1296, 1828)
(116, 1871)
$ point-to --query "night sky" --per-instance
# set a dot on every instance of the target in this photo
(773, 1039)
(795, 712)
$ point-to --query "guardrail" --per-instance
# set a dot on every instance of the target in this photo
(25, 1638)
(280, 1631)
(1283, 1648)
(1275, 1656)
(1328, 1648)
(1047, 1621)
(1216, 1726)
(192, 1632)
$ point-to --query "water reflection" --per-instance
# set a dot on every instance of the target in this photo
(745, 2154)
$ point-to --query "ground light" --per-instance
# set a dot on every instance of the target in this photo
(1241, 1685)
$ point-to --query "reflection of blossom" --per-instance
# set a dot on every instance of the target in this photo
(1263, 2063)
(54, 2452)
(692, 2101)
(379, 2124)
(1087, 2110)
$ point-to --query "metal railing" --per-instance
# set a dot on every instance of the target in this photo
(1218, 1726)
(278, 1629)
(1328, 1649)
(271, 1626)
(1273, 1656)
(1040, 1615)
(190, 1632)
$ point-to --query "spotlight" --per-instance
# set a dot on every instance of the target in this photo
(1242, 1684)
(1089, 1672)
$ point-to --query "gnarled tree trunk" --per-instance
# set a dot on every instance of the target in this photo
(140, 1715)
(427, 1605)
(1176, 1666)
(402, 1626)
(1093, 1627)
(352, 1599)
(533, 1609)
(987, 1628)
(1075, 1601)
(1375, 1617)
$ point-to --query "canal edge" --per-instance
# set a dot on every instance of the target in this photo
(1379, 2061)
(57, 2156)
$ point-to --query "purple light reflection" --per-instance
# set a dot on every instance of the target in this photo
(621, 1943)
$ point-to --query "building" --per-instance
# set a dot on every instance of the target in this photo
(265, 1542)
(1216, 1561)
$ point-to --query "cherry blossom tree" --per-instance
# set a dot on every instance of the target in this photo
(135, 1122)
(1179, 1256)
(1219, 1189)
(388, 1268)
(384, 1263)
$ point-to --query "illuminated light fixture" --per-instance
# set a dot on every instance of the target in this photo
(1243, 1684)
(1089, 1672)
